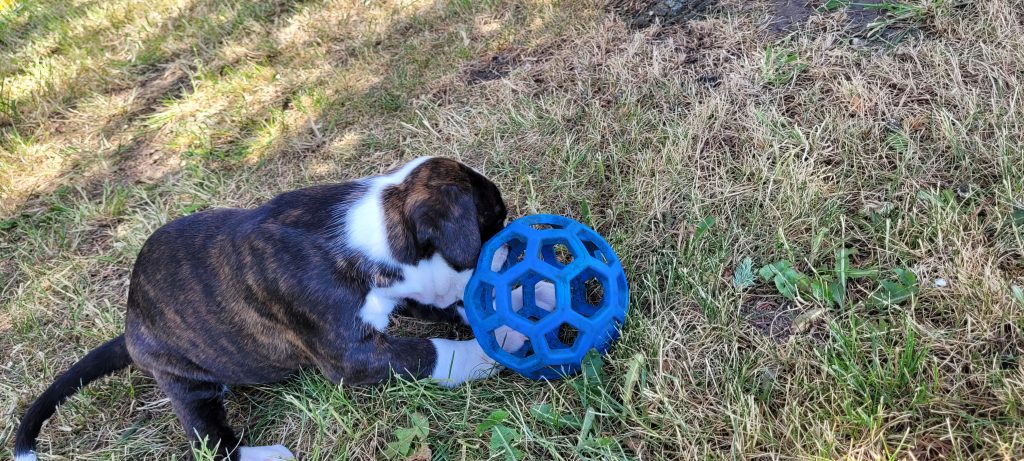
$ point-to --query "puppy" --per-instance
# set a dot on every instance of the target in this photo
(309, 279)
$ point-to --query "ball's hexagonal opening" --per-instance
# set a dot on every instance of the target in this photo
(595, 251)
(546, 226)
(516, 254)
(484, 298)
(525, 351)
(557, 253)
(534, 296)
(595, 291)
(564, 337)
(587, 291)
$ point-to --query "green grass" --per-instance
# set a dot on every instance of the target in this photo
(116, 117)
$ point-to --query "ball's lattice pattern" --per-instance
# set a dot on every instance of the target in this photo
(555, 281)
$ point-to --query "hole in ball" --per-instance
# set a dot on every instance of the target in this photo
(546, 226)
(557, 253)
(594, 291)
(516, 253)
(595, 251)
(567, 334)
(526, 351)
(562, 254)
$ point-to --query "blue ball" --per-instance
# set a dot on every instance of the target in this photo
(561, 286)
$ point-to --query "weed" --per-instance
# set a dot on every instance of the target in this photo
(780, 67)
(743, 275)
(409, 440)
(830, 287)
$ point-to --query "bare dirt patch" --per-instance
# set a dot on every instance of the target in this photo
(781, 319)
(494, 67)
(145, 161)
(772, 318)
(791, 14)
(645, 13)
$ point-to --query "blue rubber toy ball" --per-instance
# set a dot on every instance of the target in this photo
(556, 282)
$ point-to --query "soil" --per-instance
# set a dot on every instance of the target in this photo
(790, 14)
(771, 318)
(640, 14)
(780, 319)
(494, 67)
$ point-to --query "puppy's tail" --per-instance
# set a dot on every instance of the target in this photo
(102, 361)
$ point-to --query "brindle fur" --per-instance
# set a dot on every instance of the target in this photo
(247, 296)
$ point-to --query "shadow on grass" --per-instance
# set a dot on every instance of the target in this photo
(155, 76)
(405, 58)
(26, 31)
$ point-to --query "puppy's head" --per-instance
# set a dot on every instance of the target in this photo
(444, 207)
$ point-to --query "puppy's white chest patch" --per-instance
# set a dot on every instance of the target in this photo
(432, 282)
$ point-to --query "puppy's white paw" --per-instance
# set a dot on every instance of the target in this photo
(461, 361)
(266, 453)
(510, 340)
(499, 258)
(543, 295)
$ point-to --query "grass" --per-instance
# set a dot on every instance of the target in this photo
(691, 148)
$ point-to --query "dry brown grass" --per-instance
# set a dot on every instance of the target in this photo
(119, 116)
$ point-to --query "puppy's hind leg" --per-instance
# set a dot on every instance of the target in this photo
(200, 409)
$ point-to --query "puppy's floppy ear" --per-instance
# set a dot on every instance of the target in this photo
(448, 223)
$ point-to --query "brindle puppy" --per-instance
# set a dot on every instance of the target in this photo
(235, 296)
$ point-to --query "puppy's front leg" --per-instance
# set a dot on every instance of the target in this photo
(377, 355)
(461, 361)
